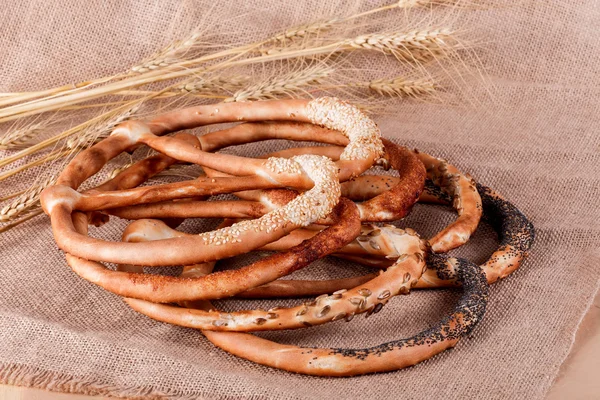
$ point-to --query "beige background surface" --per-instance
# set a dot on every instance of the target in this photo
(535, 140)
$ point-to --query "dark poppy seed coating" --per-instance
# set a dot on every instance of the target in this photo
(468, 312)
(435, 191)
(515, 233)
(514, 229)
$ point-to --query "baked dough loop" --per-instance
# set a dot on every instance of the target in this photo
(318, 175)
(305, 203)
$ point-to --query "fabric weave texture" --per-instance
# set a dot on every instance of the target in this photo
(535, 140)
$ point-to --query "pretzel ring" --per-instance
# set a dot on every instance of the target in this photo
(447, 179)
(369, 297)
(346, 362)
(61, 200)
(516, 235)
(388, 356)
(159, 288)
(388, 205)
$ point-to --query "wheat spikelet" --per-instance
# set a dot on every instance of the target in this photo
(27, 201)
(213, 85)
(101, 131)
(302, 31)
(416, 45)
(403, 87)
(19, 138)
(285, 85)
(168, 55)
(34, 212)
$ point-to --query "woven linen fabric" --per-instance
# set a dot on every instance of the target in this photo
(535, 140)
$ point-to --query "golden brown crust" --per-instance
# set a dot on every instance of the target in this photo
(163, 289)
(368, 297)
(302, 172)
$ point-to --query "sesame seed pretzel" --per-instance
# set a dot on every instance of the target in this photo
(388, 205)
(163, 289)
(315, 173)
(447, 182)
(337, 362)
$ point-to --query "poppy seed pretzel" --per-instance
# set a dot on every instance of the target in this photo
(369, 297)
(164, 289)
(61, 200)
(340, 362)
(388, 356)
(450, 182)
(515, 233)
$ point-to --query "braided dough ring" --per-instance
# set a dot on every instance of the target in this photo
(61, 200)
(369, 297)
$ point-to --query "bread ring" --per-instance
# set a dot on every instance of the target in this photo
(363, 149)
(389, 205)
(368, 297)
(448, 181)
(388, 356)
(160, 288)
(515, 233)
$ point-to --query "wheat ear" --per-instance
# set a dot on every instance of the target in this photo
(34, 212)
(213, 85)
(284, 85)
(26, 201)
(416, 45)
(19, 138)
(402, 87)
(169, 55)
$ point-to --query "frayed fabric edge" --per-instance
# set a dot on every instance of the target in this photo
(34, 377)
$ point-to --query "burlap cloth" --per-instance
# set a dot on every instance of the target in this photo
(536, 141)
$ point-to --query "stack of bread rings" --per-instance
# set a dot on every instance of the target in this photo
(301, 203)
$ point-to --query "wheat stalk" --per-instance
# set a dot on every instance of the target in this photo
(100, 131)
(212, 85)
(402, 87)
(416, 45)
(18, 138)
(25, 202)
(411, 46)
(285, 85)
